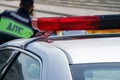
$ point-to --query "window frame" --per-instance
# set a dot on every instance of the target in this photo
(28, 53)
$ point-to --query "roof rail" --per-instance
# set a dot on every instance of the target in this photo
(29, 41)
(70, 37)
(39, 37)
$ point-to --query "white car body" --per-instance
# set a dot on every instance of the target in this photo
(57, 56)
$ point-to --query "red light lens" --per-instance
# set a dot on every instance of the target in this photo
(69, 23)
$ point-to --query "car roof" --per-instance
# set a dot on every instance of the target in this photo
(91, 50)
(80, 50)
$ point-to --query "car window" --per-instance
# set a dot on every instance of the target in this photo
(96, 71)
(5, 57)
(24, 67)
(102, 74)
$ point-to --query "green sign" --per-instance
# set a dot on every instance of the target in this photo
(14, 28)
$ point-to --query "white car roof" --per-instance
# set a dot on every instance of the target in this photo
(91, 50)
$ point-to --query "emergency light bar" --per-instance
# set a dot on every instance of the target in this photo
(78, 23)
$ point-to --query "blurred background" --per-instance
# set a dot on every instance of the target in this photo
(113, 5)
(61, 8)
(68, 7)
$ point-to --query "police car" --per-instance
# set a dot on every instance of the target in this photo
(71, 57)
